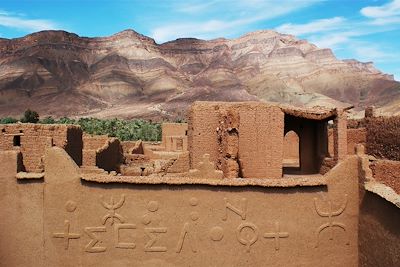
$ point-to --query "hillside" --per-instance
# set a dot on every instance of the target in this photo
(129, 75)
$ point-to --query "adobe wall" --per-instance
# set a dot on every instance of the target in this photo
(170, 132)
(35, 138)
(21, 223)
(387, 172)
(98, 224)
(109, 156)
(383, 137)
(379, 238)
(260, 136)
(94, 141)
(354, 136)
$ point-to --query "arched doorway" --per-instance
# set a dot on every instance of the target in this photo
(291, 150)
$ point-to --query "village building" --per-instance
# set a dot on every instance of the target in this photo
(240, 184)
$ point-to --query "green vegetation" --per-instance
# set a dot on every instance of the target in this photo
(30, 116)
(122, 129)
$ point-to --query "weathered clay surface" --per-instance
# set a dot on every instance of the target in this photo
(93, 224)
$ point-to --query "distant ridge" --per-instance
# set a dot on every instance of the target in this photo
(129, 75)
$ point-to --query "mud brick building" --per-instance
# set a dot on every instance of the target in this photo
(258, 185)
(33, 139)
(247, 139)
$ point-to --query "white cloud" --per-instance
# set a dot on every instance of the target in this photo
(383, 15)
(194, 7)
(13, 21)
(321, 25)
(234, 17)
(368, 52)
(389, 9)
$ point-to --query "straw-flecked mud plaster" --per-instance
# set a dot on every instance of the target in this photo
(65, 221)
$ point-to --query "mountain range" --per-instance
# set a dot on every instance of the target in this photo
(129, 75)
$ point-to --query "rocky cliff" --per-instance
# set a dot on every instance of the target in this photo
(129, 75)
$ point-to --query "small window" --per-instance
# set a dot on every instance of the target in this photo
(17, 140)
(3, 130)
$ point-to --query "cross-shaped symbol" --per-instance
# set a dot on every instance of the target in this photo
(66, 235)
(277, 235)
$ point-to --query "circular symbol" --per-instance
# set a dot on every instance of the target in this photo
(146, 219)
(70, 206)
(194, 216)
(216, 233)
(152, 206)
(193, 201)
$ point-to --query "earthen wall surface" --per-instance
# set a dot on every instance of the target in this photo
(94, 142)
(387, 172)
(92, 224)
(260, 132)
(383, 137)
(379, 238)
(173, 129)
(110, 155)
(35, 138)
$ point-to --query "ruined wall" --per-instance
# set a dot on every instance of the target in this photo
(94, 141)
(379, 238)
(383, 137)
(33, 139)
(90, 146)
(354, 136)
(261, 141)
(109, 156)
(173, 130)
(155, 223)
(387, 172)
(260, 137)
(340, 136)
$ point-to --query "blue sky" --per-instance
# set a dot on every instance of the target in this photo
(367, 30)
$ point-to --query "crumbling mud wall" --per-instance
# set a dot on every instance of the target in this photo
(33, 139)
(109, 156)
(256, 133)
(388, 173)
(379, 238)
(383, 137)
(174, 136)
(354, 136)
(146, 223)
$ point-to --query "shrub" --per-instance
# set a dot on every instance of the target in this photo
(30, 116)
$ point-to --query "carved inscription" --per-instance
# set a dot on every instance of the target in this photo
(153, 234)
(217, 233)
(91, 246)
(66, 235)
(239, 211)
(331, 223)
(111, 207)
(277, 235)
(187, 232)
(247, 234)
(117, 229)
